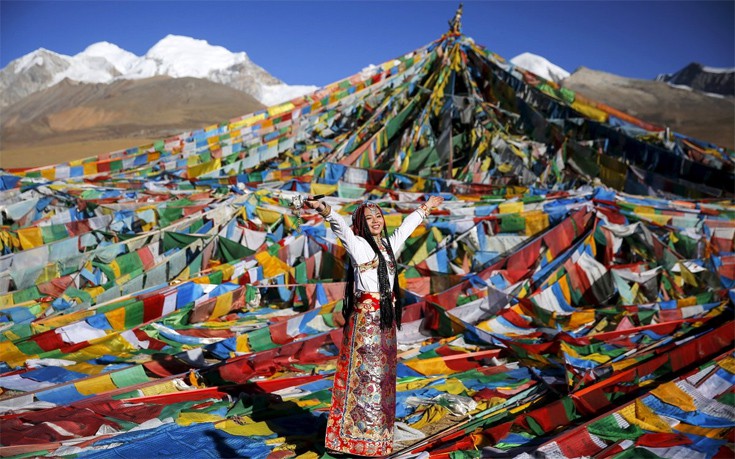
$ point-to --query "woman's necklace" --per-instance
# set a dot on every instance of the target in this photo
(379, 242)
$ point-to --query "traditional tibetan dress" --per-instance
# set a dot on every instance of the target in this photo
(363, 409)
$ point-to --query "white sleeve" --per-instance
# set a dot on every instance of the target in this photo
(410, 223)
(358, 248)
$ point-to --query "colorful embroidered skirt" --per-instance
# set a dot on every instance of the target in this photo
(364, 393)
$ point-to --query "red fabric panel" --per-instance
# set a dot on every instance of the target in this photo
(461, 364)
(137, 413)
(579, 444)
(152, 307)
(56, 287)
(78, 227)
(152, 342)
(202, 311)
(238, 371)
(193, 209)
(278, 333)
(551, 416)
(727, 271)
(311, 271)
(448, 298)
(513, 276)
(591, 402)
(103, 166)
(206, 333)
(310, 350)
(334, 290)
(526, 257)
(17, 433)
(515, 318)
(375, 176)
(560, 237)
(80, 422)
(413, 312)
(146, 257)
(264, 362)
(708, 345)
(497, 433)
(49, 340)
(663, 440)
(283, 383)
(466, 443)
(722, 244)
(613, 215)
(166, 366)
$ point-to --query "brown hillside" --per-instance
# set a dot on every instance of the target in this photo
(688, 112)
(75, 120)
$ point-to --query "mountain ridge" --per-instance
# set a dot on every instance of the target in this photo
(109, 106)
(175, 56)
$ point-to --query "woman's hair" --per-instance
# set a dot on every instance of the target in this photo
(390, 310)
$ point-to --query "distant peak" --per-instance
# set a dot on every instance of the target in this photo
(34, 58)
(185, 56)
(102, 48)
(540, 66)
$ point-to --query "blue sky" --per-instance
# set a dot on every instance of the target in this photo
(319, 42)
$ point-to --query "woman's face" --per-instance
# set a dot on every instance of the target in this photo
(374, 220)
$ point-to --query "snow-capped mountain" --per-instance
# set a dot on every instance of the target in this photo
(174, 56)
(711, 80)
(540, 66)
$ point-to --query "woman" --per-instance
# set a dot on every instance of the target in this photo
(363, 409)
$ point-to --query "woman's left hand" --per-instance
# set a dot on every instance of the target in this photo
(434, 202)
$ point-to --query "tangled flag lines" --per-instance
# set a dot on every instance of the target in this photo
(574, 294)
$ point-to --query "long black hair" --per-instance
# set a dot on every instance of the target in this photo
(390, 310)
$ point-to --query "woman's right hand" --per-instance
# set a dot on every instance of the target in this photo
(315, 204)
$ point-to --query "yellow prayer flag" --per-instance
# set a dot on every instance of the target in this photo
(510, 207)
(10, 354)
(589, 111)
(687, 275)
(427, 367)
(86, 368)
(278, 109)
(90, 168)
(195, 417)
(267, 216)
(393, 220)
(96, 385)
(116, 269)
(205, 168)
(728, 364)
(536, 221)
(30, 237)
(671, 393)
(322, 188)
(227, 271)
(432, 415)
(580, 318)
(221, 306)
(708, 432)
(116, 318)
(452, 386)
(167, 387)
(272, 266)
(48, 173)
(644, 417)
(413, 385)
(244, 427)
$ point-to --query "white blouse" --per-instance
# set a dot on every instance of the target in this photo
(360, 251)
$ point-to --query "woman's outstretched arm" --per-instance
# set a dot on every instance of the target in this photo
(410, 223)
(355, 246)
